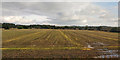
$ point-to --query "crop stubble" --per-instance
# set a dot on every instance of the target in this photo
(34, 41)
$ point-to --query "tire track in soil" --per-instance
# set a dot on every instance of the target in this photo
(100, 39)
(73, 42)
(28, 42)
(79, 38)
(49, 48)
(102, 36)
(22, 37)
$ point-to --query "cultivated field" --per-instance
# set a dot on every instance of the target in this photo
(51, 43)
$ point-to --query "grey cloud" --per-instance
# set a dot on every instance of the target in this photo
(60, 13)
(60, 0)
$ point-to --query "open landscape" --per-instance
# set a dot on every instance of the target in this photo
(59, 29)
(59, 43)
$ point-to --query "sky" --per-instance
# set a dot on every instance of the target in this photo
(60, 0)
(61, 13)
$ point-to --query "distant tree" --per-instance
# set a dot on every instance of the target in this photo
(7, 27)
(86, 27)
(114, 29)
(0, 25)
(25, 27)
(99, 28)
(19, 27)
(66, 27)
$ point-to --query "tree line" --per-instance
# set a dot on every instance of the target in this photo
(100, 28)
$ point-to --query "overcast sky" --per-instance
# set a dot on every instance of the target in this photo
(61, 13)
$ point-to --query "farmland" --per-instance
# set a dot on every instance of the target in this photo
(58, 43)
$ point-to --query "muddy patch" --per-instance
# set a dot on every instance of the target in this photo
(98, 44)
(105, 53)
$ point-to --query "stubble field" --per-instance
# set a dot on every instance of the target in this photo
(56, 43)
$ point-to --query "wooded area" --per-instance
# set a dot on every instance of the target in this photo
(100, 28)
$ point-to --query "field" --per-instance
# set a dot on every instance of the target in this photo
(56, 43)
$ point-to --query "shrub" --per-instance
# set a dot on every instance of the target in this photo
(20, 27)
